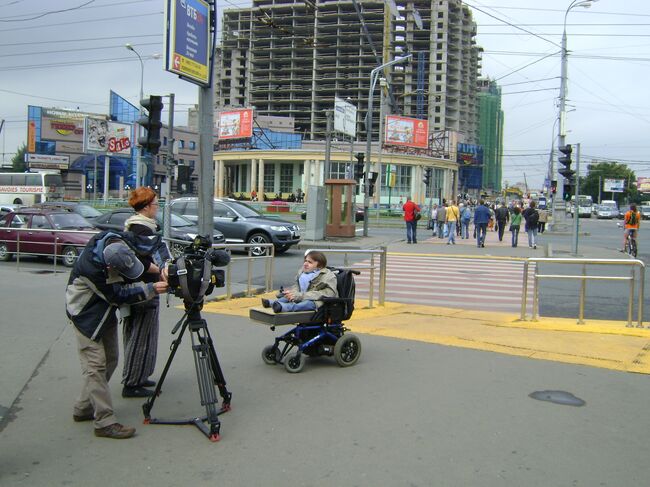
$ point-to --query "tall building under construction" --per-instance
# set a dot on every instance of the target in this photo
(293, 57)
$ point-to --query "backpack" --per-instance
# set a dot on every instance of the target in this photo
(633, 218)
(533, 218)
(417, 215)
(466, 215)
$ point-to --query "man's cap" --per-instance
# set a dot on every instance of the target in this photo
(121, 258)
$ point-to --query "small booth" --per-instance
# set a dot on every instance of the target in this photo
(341, 207)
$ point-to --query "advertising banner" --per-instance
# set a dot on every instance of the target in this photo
(410, 132)
(643, 185)
(46, 161)
(469, 154)
(614, 185)
(345, 117)
(236, 124)
(108, 137)
(188, 47)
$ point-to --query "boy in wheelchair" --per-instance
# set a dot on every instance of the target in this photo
(313, 283)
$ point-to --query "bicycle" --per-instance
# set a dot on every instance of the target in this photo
(630, 243)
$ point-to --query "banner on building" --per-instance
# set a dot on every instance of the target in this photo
(47, 161)
(107, 137)
(410, 132)
(643, 185)
(614, 185)
(345, 117)
(469, 154)
(236, 124)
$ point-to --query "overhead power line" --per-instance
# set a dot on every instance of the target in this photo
(43, 14)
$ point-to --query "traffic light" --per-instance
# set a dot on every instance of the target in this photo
(554, 186)
(372, 179)
(358, 167)
(566, 161)
(427, 177)
(567, 191)
(151, 124)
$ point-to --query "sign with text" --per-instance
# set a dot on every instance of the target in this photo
(345, 117)
(236, 124)
(187, 52)
(47, 161)
(411, 132)
(614, 185)
(643, 185)
(107, 137)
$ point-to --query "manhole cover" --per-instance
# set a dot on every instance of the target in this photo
(558, 397)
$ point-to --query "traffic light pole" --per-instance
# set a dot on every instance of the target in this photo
(206, 167)
(169, 164)
(576, 206)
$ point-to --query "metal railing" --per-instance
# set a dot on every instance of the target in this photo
(631, 263)
(374, 267)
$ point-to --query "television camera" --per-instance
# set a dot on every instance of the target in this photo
(191, 277)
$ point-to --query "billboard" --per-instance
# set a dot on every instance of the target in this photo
(469, 154)
(188, 45)
(643, 185)
(107, 137)
(614, 185)
(410, 132)
(345, 117)
(236, 124)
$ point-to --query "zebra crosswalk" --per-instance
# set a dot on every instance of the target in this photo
(454, 282)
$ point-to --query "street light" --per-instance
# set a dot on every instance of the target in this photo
(563, 73)
(373, 80)
(139, 154)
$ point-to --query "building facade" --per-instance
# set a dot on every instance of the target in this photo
(491, 133)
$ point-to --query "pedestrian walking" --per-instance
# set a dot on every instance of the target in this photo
(481, 219)
(465, 218)
(452, 217)
(411, 217)
(515, 224)
(502, 217)
(531, 216)
(543, 218)
(441, 216)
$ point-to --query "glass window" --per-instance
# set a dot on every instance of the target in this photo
(19, 221)
(181, 144)
(192, 145)
(33, 180)
(269, 177)
(341, 170)
(286, 178)
(40, 221)
(119, 218)
(64, 221)
(222, 211)
(192, 208)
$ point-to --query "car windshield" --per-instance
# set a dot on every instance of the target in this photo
(176, 220)
(243, 209)
(608, 206)
(88, 211)
(64, 221)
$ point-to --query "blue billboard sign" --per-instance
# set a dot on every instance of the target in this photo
(188, 42)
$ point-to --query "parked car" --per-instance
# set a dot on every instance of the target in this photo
(622, 211)
(606, 210)
(645, 212)
(241, 223)
(4, 209)
(65, 245)
(181, 228)
(90, 213)
(358, 214)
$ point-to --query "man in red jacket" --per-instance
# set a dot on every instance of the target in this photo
(410, 212)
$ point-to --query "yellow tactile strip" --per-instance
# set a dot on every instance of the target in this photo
(605, 344)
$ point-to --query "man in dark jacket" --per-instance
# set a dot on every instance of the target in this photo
(96, 288)
(502, 215)
(482, 217)
(531, 216)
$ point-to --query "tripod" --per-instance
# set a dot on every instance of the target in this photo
(208, 373)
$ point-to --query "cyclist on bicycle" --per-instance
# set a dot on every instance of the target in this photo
(632, 218)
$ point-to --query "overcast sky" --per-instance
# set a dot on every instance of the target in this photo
(72, 58)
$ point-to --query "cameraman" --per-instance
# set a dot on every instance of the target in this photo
(96, 288)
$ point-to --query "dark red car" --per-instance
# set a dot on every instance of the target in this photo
(66, 245)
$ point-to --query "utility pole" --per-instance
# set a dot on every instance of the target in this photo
(206, 167)
(576, 204)
(329, 116)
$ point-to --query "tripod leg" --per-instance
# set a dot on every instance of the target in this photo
(147, 406)
(217, 373)
(204, 375)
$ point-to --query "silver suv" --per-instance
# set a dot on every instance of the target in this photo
(240, 223)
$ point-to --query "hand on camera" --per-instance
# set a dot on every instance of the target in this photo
(160, 287)
(163, 274)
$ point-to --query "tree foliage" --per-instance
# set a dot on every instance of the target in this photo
(598, 172)
(18, 161)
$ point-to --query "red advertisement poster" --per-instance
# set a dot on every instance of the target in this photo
(411, 132)
(237, 124)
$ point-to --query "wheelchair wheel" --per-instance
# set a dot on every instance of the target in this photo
(347, 350)
(268, 355)
(294, 362)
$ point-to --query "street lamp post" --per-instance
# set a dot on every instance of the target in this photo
(373, 80)
(561, 136)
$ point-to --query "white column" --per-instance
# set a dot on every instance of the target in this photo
(306, 180)
(254, 175)
(317, 173)
(260, 184)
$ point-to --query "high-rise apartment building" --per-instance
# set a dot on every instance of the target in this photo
(491, 133)
(293, 57)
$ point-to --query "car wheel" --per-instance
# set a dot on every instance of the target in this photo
(69, 256)
(4, 252)
(258, 238)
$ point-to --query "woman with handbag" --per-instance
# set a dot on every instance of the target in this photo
(515, 223)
